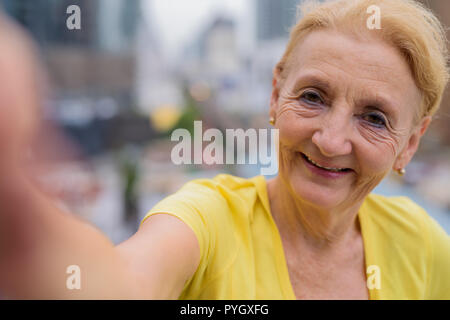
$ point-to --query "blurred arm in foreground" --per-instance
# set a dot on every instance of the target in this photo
(38, 241)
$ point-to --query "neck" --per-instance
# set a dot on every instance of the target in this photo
(317, 227)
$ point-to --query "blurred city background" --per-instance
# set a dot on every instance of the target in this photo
(138, 69)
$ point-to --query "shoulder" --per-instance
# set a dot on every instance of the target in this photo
(213, 201)
(225, 182)
(218, 211)
(223, 192)
(401, 222)
(402, 212)
(408, 236)
(398, 212)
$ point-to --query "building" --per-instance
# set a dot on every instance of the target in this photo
(46, 20)
(156, 85)
(99, 55)
(274, 18)
(440, 127)
(92, 71)
(213, 59)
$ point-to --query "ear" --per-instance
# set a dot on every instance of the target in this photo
(275, 91)
(412, 145)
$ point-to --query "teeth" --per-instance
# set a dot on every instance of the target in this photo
(316, 164)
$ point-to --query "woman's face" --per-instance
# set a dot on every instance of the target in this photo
(347, 105)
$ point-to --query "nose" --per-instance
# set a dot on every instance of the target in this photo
(332, 136)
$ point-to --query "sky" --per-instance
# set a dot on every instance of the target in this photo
(178, 21)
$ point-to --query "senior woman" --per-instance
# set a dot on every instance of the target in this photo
(351, 104)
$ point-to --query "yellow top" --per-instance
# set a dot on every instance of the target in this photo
(242, 255)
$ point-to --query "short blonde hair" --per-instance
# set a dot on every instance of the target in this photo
(406, 24)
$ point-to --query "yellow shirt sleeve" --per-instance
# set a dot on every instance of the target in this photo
(201, 205)
(439, 281)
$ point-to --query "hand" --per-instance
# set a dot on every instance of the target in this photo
(23, 226)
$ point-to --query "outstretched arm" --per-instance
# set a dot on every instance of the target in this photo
(38, 243)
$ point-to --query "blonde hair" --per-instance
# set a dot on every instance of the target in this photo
(406, 24)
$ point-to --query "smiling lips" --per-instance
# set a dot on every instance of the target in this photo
(331, 169)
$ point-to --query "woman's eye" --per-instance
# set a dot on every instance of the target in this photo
(375, 119)
(311, 97)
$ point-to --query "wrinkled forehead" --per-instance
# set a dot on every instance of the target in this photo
(360, 61)
(356, 56)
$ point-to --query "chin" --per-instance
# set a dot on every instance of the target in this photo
(317, 195)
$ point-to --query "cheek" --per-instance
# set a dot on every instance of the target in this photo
(387, 142)
(377, 149)
(295, 124)
(294, 132)
(374, 159)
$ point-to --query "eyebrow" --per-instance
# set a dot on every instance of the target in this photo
(381, 104)
(311, 79)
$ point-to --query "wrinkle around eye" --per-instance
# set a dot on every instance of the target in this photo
(299, 110)
(290, 103)
(289, 95)
(389, 136)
